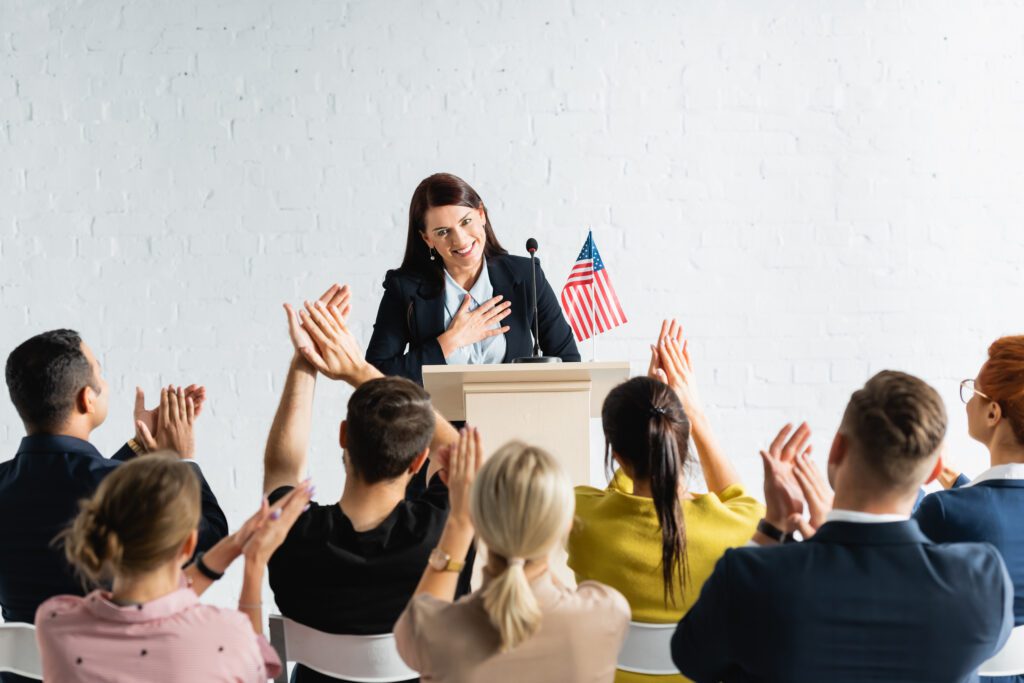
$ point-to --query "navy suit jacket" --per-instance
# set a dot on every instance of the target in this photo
(39, 493)
(990, 511)
(411, 314)
(857, 602)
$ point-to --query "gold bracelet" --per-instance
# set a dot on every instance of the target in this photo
(250, 605)
(137, 447)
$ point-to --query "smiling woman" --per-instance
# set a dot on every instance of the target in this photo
(458, 296)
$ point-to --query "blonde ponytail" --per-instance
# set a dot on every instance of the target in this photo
(521, 504)
(138, 519)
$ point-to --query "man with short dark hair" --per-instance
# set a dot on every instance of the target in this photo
(58, 389)
(867, 597)
(351, 566)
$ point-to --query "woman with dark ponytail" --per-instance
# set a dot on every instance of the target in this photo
(647, 534)
(135, 534)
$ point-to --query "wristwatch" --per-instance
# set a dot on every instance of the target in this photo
(440, 561)
(774, 533)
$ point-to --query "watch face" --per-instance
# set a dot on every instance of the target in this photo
(438, 559)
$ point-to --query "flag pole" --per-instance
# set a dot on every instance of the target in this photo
(593, 297)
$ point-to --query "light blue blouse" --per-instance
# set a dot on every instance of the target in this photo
(490, 350)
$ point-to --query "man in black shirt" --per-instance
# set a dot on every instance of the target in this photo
(351, 566)
(57, 387)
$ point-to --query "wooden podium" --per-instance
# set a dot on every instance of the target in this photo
(544, 404)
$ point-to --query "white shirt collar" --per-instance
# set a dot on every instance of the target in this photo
(1011, 470)
(480, 292)
(863, 517)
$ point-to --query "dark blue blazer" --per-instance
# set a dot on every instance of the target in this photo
(991, 511)
(411, 317)
(39, 493)
(857, 602)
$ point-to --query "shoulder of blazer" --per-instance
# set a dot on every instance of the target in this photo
(517, 267)
(407, 284)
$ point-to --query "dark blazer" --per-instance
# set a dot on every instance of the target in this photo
(857, 602)
(39, 493)
(411, 314)
(991, 511)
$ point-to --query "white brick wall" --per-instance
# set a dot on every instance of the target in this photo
(818, 190)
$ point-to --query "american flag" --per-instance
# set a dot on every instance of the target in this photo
(588, 298)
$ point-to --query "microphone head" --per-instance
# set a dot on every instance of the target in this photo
(531, 245)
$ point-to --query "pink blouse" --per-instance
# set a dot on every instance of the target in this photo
(170, 639)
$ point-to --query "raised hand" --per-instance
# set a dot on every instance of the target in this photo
(782, 494)
(816, 490)
(468, 327)
(336, 296)
(670, 363)
(334, 351)
(174, 424)
(273, 528)
(146, 421)
(464, 461)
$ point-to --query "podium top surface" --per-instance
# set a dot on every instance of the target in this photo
(446, 383)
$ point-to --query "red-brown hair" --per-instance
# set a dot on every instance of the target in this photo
(1002, 380)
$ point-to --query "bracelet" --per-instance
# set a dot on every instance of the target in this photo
(205, 570)
(250, 605)
(136, 447)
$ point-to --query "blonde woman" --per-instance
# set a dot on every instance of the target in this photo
(137, 531)
(522, 625)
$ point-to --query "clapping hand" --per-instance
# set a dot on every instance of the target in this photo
(275, 522)
(336, 296)
(146, 421)
(816, 490)
(333, 351)
(782, 494)
(670, 363)
(175, 423)
(468, 327)
(464, 461)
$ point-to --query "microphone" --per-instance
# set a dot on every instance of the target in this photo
(531, 247)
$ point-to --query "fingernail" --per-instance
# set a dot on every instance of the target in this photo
(306, 508)
(276, 514)
(312, 490)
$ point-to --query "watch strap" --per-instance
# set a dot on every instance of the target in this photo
(205, 570)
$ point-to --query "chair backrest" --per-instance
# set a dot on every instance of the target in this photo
(647, 649)
(19, 653)
(1010, 660)
(363, 659)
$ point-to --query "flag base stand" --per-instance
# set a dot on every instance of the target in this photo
(537, 359)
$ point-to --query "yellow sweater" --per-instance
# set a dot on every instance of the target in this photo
(617, 540)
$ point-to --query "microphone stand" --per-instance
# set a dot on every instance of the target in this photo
(531, 246)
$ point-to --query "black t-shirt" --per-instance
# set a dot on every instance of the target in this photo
(335, 579)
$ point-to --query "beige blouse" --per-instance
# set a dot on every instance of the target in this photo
(578, 641)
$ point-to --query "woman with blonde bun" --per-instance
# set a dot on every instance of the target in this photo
(136, 532)
(522, 625)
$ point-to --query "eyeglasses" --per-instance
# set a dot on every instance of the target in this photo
(967, 390)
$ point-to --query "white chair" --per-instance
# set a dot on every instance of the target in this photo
(647, 649)
(365, 659)
(19, 653)
(1010, 660)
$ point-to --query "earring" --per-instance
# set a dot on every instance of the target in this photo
(433, 253)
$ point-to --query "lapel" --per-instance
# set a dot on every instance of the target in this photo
(506, 282)
(884, 533)
(426, 317)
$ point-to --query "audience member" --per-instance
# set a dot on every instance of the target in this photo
(352, 565)
(522, 625)
(646, 535)
(136, 532)
(867, 597)
(991, 507)
(58, 389)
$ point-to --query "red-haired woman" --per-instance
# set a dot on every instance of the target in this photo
(458, 296)
(991, 507)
